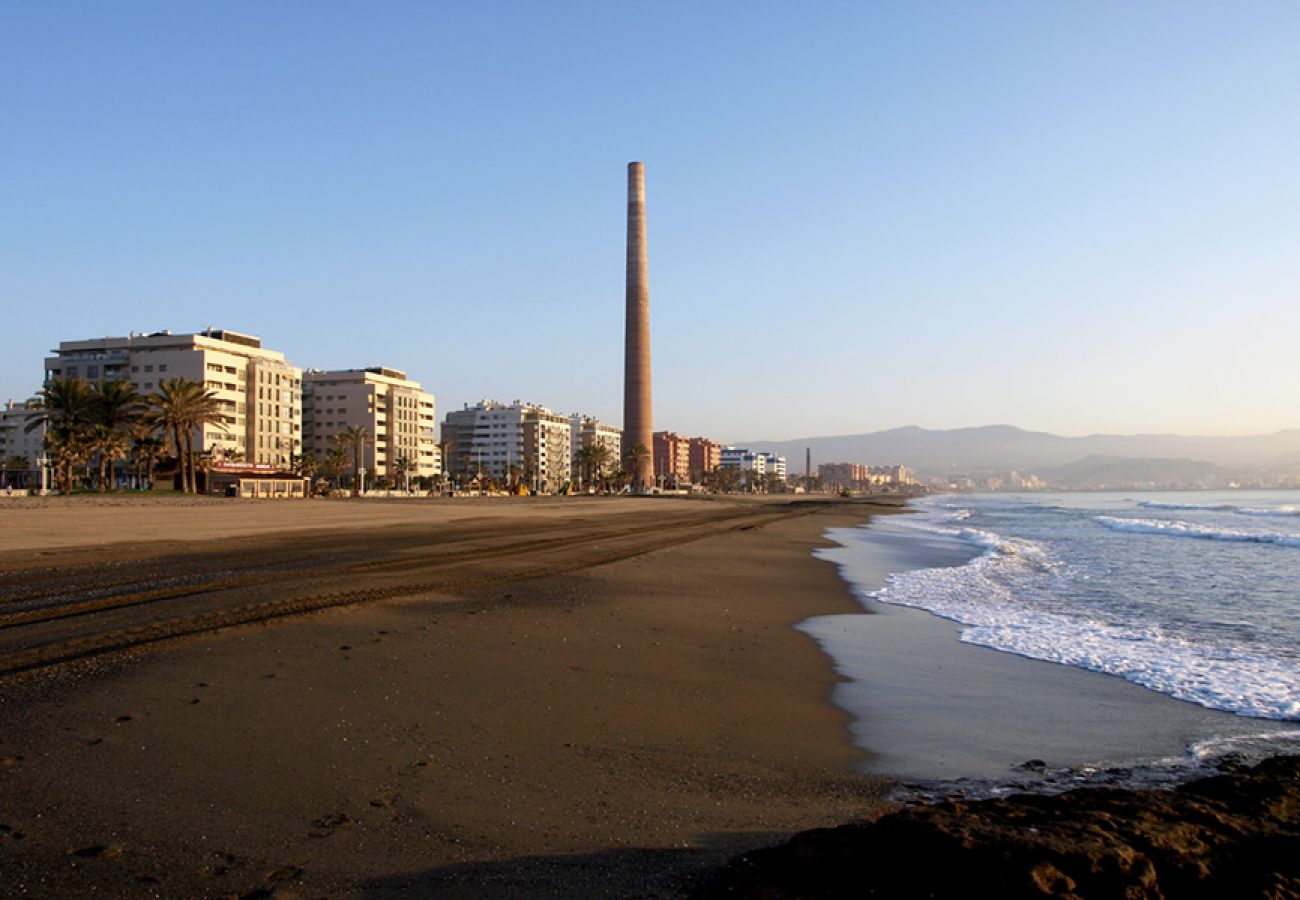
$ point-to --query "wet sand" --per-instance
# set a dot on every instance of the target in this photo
(609, 731)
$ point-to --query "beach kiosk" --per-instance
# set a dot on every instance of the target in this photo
(252, 480)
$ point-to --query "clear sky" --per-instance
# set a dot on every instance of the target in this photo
(1069, 216)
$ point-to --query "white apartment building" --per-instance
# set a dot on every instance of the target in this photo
(743, 459)
(493, 437)
(397, 412)
(259, 391)
(754, 461)
(586, 431)
(775, 463)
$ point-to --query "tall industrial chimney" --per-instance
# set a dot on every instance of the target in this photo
(637, 426)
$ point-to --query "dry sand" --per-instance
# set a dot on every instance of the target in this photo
(612, 731)
(44, 523)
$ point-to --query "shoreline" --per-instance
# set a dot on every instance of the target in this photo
(603, 731)
(954, 718)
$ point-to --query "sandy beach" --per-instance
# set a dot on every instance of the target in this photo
(537, 726)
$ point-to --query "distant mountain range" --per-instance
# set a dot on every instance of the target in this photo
(1105, 458)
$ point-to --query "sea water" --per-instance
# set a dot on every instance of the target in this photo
(1193, 595)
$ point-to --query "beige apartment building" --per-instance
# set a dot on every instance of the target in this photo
(398, 413)
(15, 439)
(259, 391)
(586, 431)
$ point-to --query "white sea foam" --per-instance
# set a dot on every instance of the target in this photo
(995, 595)
(1175, 528)
(1252, 746)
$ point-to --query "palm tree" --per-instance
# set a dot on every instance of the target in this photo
(636, 457)
(145, 450)
(114, 405)
(354, 438)
(582, 459)
(64, 413)
(304, 464)
(336, 462)
(179, 408)
(107, 444)
(63, 401)
(724, 479)
(66, 445)
(600, 456)
(403, 466)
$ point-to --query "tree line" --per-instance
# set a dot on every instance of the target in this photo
(95, 425)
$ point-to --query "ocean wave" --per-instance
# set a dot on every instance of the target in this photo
(1193, 530)
(992, 595)
(1160, 504)
(1282, 511)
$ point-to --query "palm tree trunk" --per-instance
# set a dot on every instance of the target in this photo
(191, 482)
(180, 454)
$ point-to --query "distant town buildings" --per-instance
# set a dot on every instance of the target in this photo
(857, 476)
(273, 416)
(260, 392)
(505, 439)
(396, 412)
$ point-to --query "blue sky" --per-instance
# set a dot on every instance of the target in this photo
(1075, 217)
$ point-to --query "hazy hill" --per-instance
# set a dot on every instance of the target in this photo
(995, 448)
(1103, 471)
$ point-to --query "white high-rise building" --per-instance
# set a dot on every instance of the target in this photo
(259, 391)
(397, 412)
(494, 438)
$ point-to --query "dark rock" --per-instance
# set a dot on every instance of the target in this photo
(1034, 765)
(1234, 835)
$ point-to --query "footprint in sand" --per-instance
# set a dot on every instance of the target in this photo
(284, 873)
(98, 851)
(326, 824)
